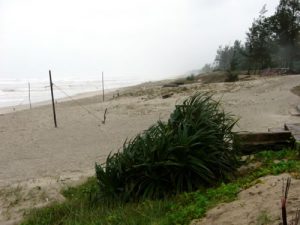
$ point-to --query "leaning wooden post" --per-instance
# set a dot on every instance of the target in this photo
(53, 105)
(29, 98)
(103, 86)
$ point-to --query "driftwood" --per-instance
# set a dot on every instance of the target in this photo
(167, 95)
(249, 143)
(104, 116)
(179, 83)
(174, 84)
(170, 85)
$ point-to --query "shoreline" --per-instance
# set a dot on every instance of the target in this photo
(79, 96)
(82, 95)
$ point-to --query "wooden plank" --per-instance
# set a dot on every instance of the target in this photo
(294, 128)
(167, 95)
(264, 136)
(276, 129)
(170, 85)
(249, 143)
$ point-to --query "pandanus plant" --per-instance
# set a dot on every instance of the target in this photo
(193, 148)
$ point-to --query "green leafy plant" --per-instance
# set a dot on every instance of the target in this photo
(193, 149)
(191, 77)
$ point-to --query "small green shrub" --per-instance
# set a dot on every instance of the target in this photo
(191, 77)
(231, 76)
(193, 149)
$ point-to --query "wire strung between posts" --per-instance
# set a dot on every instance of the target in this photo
(74, 100)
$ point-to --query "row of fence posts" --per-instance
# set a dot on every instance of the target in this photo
(52, 96)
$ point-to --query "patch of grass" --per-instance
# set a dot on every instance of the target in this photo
(269, 156)
(263, 219)
(81, 191)
(10, 198)
(12, 195)
(79, 209)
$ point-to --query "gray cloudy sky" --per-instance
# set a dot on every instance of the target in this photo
(131, 38)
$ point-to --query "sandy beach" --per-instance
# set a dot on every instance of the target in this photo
(37, 160)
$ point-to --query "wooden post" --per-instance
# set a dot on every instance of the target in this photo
(104, 116)
(29, 98)
(53, 104)
(103, 86)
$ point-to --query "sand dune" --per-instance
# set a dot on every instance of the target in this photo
(35, 156)
(260, 204)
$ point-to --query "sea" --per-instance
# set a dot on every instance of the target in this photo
(15, 92)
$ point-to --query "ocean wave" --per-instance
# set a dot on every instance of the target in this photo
(13, 91)
(8, 90)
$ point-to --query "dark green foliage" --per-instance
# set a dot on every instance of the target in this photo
(224, 57)
(271, 42)
(231, 76)
(260, 44)
(191, 77)
(193, 149)
(286, 26)
(270, 156)
(230, 57)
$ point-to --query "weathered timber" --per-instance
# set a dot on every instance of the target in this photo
(170, 85)
(179, 83)
(294, 128)
(276, 129)
(167, 95)
(249, 143)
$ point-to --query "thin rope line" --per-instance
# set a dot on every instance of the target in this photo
(74, 100)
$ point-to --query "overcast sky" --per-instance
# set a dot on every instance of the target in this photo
(124, 38)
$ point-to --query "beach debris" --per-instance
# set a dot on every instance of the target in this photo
(250, 143)
(170, 85)
(179, 83)
(104, 116)
(167, 95)
(285, 191)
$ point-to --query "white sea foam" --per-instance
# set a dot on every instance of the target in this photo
(14, 92)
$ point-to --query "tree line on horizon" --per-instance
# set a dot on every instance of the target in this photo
(271, 42)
